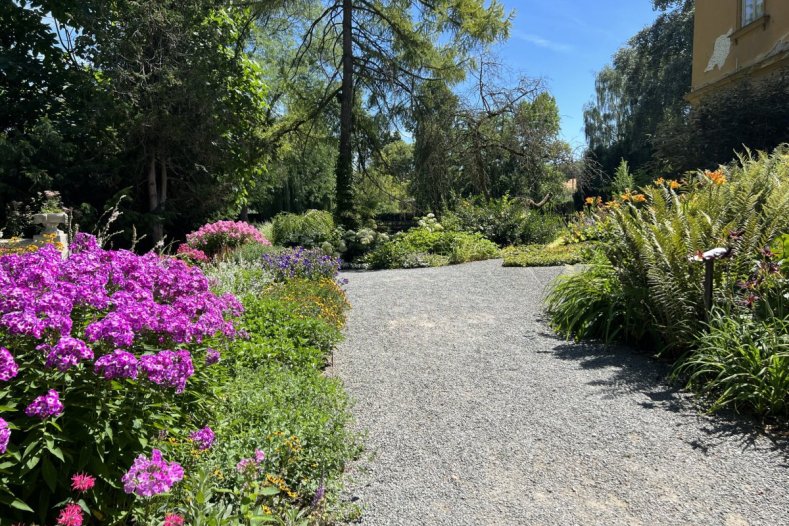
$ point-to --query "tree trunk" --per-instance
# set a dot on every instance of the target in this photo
(344, 171)
(153, 200)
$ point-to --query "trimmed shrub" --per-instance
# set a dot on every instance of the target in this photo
(551, 255)
(426, 247)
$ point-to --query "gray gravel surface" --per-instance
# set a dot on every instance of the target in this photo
(475, 414)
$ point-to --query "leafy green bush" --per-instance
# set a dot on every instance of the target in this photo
(653, 235)
(505, 221)
(431, 247)
(297, 422)
(591, 304)
(311, 229)
(742, 363)
(550, 255)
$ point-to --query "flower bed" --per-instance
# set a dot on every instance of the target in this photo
(132, 393)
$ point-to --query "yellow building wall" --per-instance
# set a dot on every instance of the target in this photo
(723, 51)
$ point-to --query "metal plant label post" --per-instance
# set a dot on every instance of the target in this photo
(709, 258)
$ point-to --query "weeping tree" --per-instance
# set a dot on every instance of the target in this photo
(643, 87)
(375, 52)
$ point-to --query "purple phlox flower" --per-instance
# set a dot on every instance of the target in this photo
(148, 477)
(67, 353)
(168, 368)
(45, 405)
(5, 436)
(117, 364)
(212, 356)
(203, 438)
(8, 367)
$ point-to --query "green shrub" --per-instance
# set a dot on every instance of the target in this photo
(505, 221)
(653, 235)
(431, 247)
(311, 229)
(298, 419)
(592, 304)
(742, 363)
(551, 255)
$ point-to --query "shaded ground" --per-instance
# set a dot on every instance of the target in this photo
(476, 414)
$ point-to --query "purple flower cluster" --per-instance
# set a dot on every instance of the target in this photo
(5, 436)
(118, 364)
(168, 368)
(8, 367)
(67, 353)
(148, 477)
(204, 438)
(212, 356)
(134, 298)
(301, 263)
(45, 406)
(213, 238)
(250, 466)
(99, 300)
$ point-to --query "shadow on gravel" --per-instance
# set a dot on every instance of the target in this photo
(632, 371)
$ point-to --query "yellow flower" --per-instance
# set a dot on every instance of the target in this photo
(625, 197)
(639, 198)
(266, 510)
(660, 181)
(589, 201)
(674, 185)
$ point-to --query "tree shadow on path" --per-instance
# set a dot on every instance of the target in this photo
(632, 371)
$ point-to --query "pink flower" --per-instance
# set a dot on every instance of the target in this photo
(173, 519)
(82, 482)
(151, 477)
(71, 515)
(260, 456)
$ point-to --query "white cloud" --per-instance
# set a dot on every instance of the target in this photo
(539, 41)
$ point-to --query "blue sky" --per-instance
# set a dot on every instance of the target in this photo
(566, 42)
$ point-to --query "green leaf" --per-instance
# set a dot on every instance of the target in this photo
(19, 505)
(50, 474)
(268, 491)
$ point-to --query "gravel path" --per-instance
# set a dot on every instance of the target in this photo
(476, 414)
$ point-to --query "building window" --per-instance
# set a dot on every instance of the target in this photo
(752, 10)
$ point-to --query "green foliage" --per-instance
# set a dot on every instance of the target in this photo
(623, 181)
(505, 220)
(310, 230)
(591, 304)
(720, 124)
(644, 87)
(743, 364)
(148, 96)
(551, 255)
(270, 398)
(429, 246)
(651, 244)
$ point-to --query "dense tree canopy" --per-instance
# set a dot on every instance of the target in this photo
(643, 87)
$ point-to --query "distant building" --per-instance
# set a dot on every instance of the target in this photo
(738, 39)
